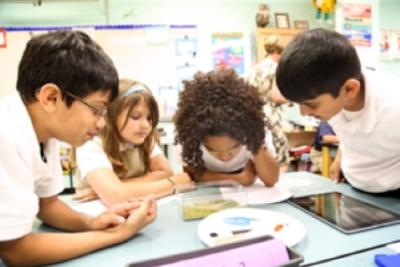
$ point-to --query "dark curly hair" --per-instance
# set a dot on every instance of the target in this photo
(214, 104)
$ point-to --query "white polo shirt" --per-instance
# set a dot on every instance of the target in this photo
(92, 156)
(370, 139)
(238, 162)
(24, 177)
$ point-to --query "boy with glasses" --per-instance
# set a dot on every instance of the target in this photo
(65, 82)
(98, 112)
(321, 71)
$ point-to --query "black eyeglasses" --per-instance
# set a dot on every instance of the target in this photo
(98, 112)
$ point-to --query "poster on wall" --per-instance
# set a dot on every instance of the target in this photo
(228, 51)
(186, 57)
(385, 43)
(167, 99)
(186, 49)
(396, 38)
(389, 45)
(3, 38)
(357, 24)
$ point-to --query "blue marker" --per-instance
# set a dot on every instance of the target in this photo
(383, 260)
(239, 220)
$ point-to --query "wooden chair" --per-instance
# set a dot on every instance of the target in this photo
(68, 163)
(300, 143)
(328, 153)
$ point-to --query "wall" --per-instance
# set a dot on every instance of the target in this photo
(390, 19)
(209, 16)
(368, 55)
(207, 12)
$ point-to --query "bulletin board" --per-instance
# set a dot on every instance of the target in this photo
(228, 51)
(357, 25)
(147, 53)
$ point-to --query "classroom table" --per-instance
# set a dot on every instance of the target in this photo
(322, 246)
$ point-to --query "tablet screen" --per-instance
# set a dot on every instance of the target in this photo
(346, 213)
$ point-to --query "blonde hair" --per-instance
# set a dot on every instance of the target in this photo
(273, 44)
(130, 94)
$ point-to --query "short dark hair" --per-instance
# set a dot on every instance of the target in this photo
(315, 62)
(214, 104)
(69, 59)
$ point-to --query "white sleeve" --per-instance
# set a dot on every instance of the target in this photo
(18, 201)
(52, 183)
(156, 151)
(91, 156)
(269, 143)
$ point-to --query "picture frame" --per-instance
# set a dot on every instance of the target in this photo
(301, 24)
(282, 20)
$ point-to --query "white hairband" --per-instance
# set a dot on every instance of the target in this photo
(133, 89)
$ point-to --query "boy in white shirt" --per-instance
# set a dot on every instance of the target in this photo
(65, 82)
(321, 71)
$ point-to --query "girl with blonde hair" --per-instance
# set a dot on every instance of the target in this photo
(125, 160)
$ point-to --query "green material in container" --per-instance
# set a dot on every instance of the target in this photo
(194, 211)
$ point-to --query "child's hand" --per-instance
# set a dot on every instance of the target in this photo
(138, 219)
(334, 172)
(248, 174)
(144, 215)
(85, 194)
(115, 215)
(181, 178)
(139, 213)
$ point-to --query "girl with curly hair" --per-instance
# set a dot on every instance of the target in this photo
(220, 125)
(126, 161)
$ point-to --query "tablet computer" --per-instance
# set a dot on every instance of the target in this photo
(345, 213)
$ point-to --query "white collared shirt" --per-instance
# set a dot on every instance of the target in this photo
(92, 156)
(370, 140)
(24, 177)
(238, 162)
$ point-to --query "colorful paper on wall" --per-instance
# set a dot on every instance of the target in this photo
(228, 51)
(3, 38)
(357, 25)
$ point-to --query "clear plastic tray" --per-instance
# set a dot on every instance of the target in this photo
(197, 201)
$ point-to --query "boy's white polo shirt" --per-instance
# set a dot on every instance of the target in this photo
(24, 177)
(370, 140)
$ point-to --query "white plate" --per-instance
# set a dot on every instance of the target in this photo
(242, 223)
